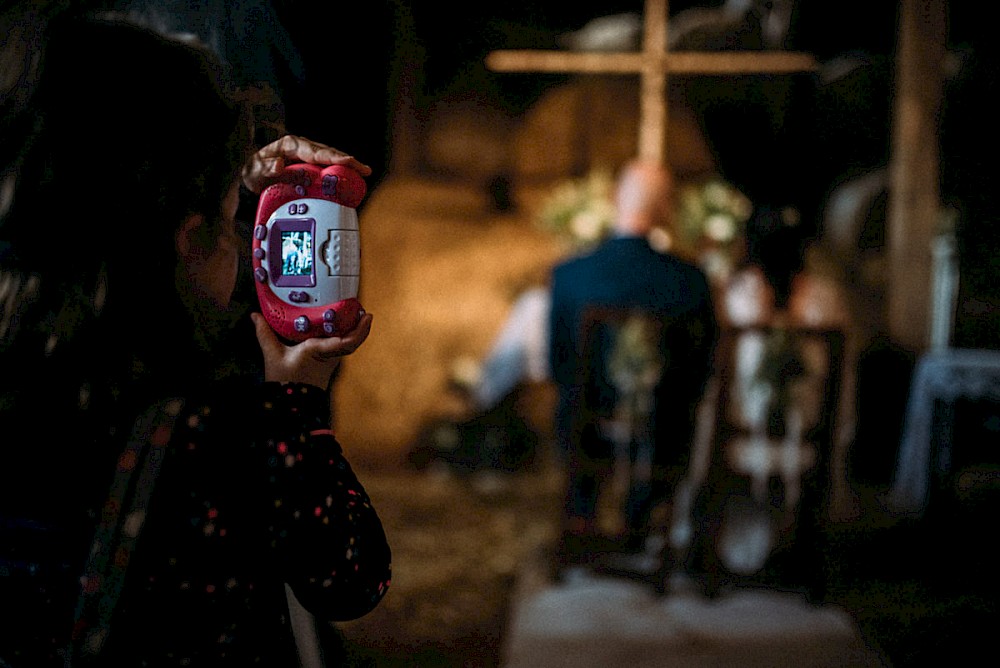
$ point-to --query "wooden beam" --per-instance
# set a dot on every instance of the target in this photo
(676, 62)
(914, 203)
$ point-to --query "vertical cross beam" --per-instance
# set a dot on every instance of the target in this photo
(653, 111)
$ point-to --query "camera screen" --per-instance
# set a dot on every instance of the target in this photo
(296, 253)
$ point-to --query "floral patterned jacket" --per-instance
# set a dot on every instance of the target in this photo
(250, 494)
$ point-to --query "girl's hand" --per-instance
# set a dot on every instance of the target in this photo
(268, 162)
(312, 361)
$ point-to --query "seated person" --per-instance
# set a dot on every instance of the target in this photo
(626, 271)
(784, 279)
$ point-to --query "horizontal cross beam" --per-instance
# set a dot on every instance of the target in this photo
(673, 62)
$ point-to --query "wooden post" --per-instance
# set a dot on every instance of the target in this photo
(915, 179)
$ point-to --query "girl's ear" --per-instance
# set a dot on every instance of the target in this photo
(188, 234)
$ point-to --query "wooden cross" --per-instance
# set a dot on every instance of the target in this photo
(653, 63)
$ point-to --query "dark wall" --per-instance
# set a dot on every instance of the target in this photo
(350, 81)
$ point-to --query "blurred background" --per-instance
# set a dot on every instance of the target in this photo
(457, 227)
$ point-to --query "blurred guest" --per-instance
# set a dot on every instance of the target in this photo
(789, 281)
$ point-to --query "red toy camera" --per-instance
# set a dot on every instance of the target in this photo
(307, 252)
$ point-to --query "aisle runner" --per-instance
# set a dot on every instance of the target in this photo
(596, 621)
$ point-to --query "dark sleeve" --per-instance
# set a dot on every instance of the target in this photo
(561, 347)
(328, 539)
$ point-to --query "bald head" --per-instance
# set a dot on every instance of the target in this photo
(643, 197)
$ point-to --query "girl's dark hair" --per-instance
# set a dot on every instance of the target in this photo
(114, 136)
(777, 248)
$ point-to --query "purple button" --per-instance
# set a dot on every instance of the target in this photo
(301, 324)
(330, 182)
(260, 232)
(258, 253)
(300, 190)
(260, 274)
(328, 327)
(329, 315)
(298, 296)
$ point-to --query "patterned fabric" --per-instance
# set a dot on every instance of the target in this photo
(251, 493)
(122, 518)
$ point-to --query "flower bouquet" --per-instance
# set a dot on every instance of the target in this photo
(580, 211)
(710, 220)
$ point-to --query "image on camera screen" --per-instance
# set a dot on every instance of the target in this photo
(296, 253)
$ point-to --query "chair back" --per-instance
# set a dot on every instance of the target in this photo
(772, 450)
(634, 382)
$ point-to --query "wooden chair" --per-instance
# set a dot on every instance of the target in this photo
(630, 363)
(770, 457)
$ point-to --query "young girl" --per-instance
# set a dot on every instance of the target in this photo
(122, 159)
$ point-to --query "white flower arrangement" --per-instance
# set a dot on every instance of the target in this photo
(581, 211)
(710, 220)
